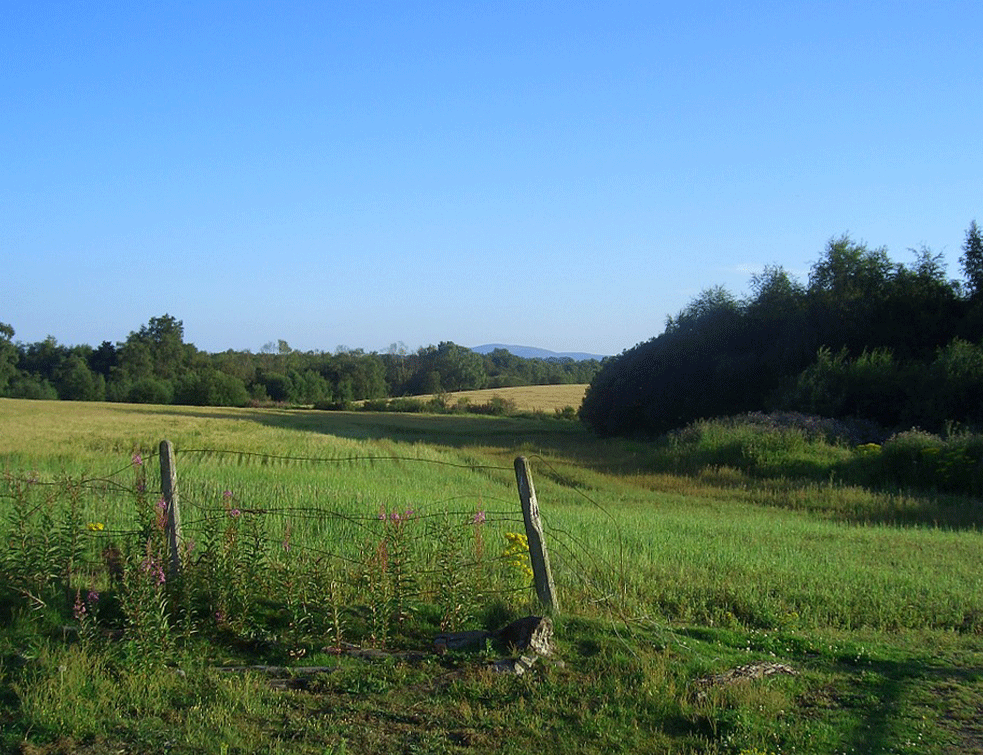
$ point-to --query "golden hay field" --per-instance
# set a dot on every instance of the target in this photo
(530, 398)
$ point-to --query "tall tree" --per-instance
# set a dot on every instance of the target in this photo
(972, 261)
(848, 287)
(8, 356)
(74, 381)
(156, 350)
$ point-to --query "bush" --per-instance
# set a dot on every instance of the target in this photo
(957, 383)
(210, 388)
(496, 407)
(567, 412)
(31, 387)
(333, 406)
(919, 459)
(150, 391)
(408, 405)
(908, 458)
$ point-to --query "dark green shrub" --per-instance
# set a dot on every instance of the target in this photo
(909, 459)
(567, 412)
(150, 391)
(278, 387)
(210, 387)
(31, 387)
(408, 405)
(957, 383)
(495, 407)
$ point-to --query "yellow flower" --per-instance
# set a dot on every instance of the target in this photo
(96, 526)
(868, 448)
(517, 554)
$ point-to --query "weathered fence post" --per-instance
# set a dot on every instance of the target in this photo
(168, 486)
(541, 572)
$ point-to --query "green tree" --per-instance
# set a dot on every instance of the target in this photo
(920, 311)
(8, 357)
(136, 361)
(309, 387)
(43, 358)
(209, 387)
(149, 390)
(972, 261)
(865, 315)
(957, 383)
(156, 350)
(104, 359)
(847, 289)
(872, 386)
(398, 370)
(278, 387)
(460, 368)
(31, 387)
(74, 381)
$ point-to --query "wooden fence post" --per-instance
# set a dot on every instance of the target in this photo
(168, 486)
(542, 574)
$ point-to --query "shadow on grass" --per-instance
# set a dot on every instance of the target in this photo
(900, 699)
(914, 704)
(803, 488)
(457, 431)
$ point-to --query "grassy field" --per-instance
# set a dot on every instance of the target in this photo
(674, 564)
(526, 398)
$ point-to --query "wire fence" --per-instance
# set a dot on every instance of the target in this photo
(292, 541)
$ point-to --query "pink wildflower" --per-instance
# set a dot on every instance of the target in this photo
(152, 567)
(78, 610)
(154, 571)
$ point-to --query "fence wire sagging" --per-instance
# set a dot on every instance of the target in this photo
(294, 550)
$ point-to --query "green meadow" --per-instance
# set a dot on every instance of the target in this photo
(852, 572)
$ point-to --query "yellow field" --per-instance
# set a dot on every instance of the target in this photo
(529, 398)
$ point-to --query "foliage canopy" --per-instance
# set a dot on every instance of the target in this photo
(867, 337)
(155, 365)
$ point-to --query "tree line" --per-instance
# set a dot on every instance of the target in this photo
(155, 365)
(865, 337)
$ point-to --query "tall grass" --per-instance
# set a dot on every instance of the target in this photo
(704, 547)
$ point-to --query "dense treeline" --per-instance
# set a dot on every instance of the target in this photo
(155, 365)
(866, 337)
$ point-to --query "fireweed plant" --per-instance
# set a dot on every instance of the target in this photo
(387, 576)
(47, 546)
(245, 581)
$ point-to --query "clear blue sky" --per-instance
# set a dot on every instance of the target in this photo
(555, 174)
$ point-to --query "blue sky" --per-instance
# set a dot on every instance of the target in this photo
(562, 175)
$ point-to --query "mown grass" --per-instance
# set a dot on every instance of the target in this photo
(675, 561)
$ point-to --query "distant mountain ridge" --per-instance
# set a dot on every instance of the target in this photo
(531, 352)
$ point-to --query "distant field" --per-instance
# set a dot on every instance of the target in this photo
(529, 398)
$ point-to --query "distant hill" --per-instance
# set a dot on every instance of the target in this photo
(531, 352)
